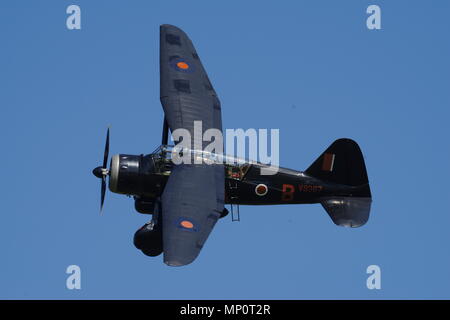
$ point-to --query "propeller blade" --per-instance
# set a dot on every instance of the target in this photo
(102, 172)
(103, 194)
(105, 156)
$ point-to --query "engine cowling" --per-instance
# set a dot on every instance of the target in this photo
(133, 175)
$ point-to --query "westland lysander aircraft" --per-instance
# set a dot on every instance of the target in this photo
(187, 200)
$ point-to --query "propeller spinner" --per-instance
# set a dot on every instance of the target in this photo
(102, 171)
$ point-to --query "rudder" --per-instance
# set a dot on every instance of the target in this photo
(341, 163)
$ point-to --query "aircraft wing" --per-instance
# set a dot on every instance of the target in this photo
(190, 209)
(193, 198)
(186, 93)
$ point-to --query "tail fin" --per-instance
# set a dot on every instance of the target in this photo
(343, 163)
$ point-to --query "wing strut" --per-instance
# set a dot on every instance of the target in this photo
(165, 132)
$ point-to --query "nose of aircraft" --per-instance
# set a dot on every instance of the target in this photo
(98, 172)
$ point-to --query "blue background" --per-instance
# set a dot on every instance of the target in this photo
(310, 68)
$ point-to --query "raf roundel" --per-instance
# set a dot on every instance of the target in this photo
(181, 65)
(261, 190)
(187, 224)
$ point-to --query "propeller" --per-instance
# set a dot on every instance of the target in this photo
(102, 171)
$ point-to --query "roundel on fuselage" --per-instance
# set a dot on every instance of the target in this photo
(261, 189)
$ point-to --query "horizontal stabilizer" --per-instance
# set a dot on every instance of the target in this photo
(348, 211)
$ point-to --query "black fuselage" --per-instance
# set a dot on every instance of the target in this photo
(145, 177)
(285, 187)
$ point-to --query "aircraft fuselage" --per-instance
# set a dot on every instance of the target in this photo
(145, 177)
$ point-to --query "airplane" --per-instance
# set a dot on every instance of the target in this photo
(187, 200)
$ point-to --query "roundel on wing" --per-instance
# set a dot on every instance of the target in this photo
(182, 65)
(261, 189)
(187, 224)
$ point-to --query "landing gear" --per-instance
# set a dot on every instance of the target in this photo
(148, 238)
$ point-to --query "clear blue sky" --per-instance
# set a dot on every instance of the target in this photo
(310, 68)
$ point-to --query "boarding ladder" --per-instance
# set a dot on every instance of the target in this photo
(234, 197)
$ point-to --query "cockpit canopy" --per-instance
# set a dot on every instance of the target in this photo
(165, 156)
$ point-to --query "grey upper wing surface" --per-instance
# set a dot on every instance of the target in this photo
(190, 211)
(193, 198)
(186, 92)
